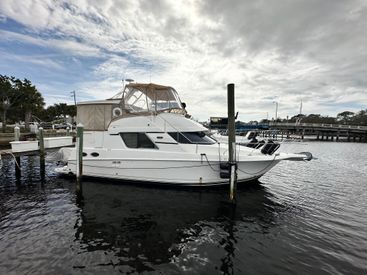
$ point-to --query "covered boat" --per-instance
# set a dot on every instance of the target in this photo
(144, 134)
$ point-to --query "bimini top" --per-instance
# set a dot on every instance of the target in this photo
(152, 98)
(135, 99)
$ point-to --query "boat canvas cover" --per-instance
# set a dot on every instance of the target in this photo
(154, 91)
(94, 117)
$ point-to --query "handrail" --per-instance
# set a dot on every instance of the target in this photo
(178, 131)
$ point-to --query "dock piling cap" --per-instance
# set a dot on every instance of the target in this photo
(80, 125)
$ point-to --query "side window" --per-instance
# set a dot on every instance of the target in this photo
(137, 140)
(192, 137)
(180, 138)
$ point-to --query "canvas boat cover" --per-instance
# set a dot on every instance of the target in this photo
(135, 99)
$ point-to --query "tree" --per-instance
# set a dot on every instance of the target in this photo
(360, 118)
(63, 110)
(264, 121)
(58, 111)
(8, 97)
(30, 99)
(345, 116)
(5, 88)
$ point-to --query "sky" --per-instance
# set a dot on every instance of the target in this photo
(283, 51)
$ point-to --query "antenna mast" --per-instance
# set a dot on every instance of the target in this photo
(300, 108)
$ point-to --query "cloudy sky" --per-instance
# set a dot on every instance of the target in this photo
(273, 50)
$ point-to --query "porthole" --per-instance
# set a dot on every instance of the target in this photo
(85, 154)
(94, 154)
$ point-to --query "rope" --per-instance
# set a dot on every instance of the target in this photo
(209, 163)
(17, 164)
(15, 159)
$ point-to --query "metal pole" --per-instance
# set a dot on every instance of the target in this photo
(231, 140)
(79, 154)
(300, 108)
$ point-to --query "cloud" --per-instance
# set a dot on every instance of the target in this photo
(66, 45)
(36, 60)
(284, 50)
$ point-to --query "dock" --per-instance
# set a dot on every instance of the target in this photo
(321, 132)
(4, 152)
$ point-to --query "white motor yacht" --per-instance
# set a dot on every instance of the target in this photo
(144, 134)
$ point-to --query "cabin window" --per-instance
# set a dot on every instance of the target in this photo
(137, 140)
(191, 137)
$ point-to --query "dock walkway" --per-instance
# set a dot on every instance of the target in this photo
(30, 153)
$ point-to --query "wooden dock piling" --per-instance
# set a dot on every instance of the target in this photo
(42, 152)
(79, 155)
(18, 173)
(16, 133)
(231, 142)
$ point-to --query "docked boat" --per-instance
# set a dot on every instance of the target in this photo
(144, 134)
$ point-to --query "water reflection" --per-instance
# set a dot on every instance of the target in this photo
(25, 170)
(300, 222)
(146, 227)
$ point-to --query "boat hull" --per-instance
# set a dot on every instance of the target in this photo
(173, 172)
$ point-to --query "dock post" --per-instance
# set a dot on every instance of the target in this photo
(16, 133)
(42, 153)
(231, 142)
(17, 158)
(68, 131)
(79, 156)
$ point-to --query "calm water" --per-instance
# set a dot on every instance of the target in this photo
(302, 218)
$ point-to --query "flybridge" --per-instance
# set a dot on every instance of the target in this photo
(135, 99)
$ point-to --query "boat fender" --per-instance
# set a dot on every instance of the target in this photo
(224, 170)
(116, 112)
